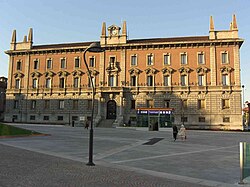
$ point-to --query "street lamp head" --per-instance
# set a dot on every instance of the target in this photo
(95, 48)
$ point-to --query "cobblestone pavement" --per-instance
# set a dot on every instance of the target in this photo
(24, 168)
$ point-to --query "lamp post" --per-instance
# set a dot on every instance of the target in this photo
(243, 96)
(95, 48)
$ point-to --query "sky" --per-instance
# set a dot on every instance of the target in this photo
(68, 21)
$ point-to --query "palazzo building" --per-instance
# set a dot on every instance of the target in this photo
(196, 79)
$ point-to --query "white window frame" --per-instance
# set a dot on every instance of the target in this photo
(166, 56)
(150, 81)
(226, 57)
(19, 65)
(61, 86)
(36, 63)
(51, 62)
(133, 79)
(92, 63)
(182, 58)
(61, 104)
(133, 59)
(79, 62)
(18, 83)
(183, 81)
(65, 63)
(150, 59)
(168, 82)
(201, 80)
(76, 83)
(225, 79)
(35, 83)
(48, 83)
(203, 58)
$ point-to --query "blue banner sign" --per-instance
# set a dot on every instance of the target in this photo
(154, 112)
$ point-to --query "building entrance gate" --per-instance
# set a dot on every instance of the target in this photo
(111, 109)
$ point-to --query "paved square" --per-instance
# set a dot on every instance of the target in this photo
(206, 157)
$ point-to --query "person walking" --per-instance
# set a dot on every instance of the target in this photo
(182, 133)
(175, 132)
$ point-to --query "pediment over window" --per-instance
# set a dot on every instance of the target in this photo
(226, 69)
(135, 71)
(94, 72)
(202, 70)
(63, 73)
(167, 70)
(18, 75)
(77, 72)
(185, 70)
(49, 74)
(151, 70)
(113, 68)
(35, 74)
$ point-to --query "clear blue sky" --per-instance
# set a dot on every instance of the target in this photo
(65, 21)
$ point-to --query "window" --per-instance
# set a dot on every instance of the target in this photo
(33, 104)
(150, 80)
(166, 59)
(61, 104)
(201, 58)
(48, 83)
(184, 119)
(74, 118)
(166, 79)
(77, 62)
(201, 104)
(132, 104)
(200, 80)
(46, 118)
(76, 82)
(32, 117)
(63, 63)
(226, 119)
(75, 104)
(202, 119)
(133, 80)
(34, 83)
(150, 60)
(225, 104)
(46, 104)
(111, 80)
(17, 86)
(19, 65)
(224, 58)
(59, 118)
(61, 83)
(167, 103)
(133, 60)
(150, 103)
(183, 80)
(91, 62)
(112, 59)
(16, 104)
(225, 80)
(183, 58)
(36, 63)
(49, 64)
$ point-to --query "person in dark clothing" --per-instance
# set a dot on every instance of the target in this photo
(175, 132)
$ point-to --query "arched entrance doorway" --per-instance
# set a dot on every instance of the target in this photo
(111, 109)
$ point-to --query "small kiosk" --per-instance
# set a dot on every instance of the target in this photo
(153, 118)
